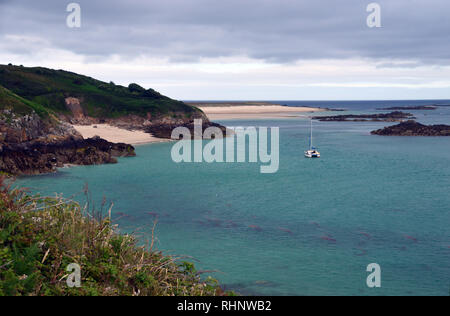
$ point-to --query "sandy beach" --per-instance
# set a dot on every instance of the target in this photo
(257, 111)
(214, 111)
(117, 135)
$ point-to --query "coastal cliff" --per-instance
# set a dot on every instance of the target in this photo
(38, 107)
(30, 144)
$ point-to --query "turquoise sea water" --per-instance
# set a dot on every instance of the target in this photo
(310, 229)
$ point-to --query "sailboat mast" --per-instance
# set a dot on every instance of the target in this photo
(311, 138)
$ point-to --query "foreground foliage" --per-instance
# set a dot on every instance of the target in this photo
(40, 237)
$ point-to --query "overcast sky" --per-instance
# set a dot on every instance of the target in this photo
(241, 49)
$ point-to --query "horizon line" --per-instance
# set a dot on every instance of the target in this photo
(298, 100)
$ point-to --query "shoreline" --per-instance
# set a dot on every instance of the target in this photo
(117, 135)
(247, 110)
(214, 112)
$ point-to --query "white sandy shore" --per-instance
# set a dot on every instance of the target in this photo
(255, 111)
(117, 135)
(222, 112)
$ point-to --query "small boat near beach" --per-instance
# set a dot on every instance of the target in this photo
(312, 152)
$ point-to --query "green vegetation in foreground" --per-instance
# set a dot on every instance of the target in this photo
(40, 237)
(49, 88)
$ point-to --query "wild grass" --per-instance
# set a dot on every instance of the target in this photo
(41, 236)
(9, 100)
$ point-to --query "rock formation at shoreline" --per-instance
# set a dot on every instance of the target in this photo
(42, 156)
(396, 116)
(30, 144)
(165, 130)
(413, 128)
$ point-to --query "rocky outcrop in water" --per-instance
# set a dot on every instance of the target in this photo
(415, 108)
(413, 128)
(396, 116)
(165, 130)
(43, 156)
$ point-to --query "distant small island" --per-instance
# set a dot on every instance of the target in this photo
(413, 128)
(413, 108)
(382, 117)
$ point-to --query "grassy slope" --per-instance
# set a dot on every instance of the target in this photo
(40, 237)
(21, 106)
(50, 87)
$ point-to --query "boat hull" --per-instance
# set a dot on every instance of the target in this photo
(312, 155)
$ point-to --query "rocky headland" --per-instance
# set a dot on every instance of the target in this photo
(38, 107)
(30, 145)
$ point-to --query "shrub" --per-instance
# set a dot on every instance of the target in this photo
(133, 87)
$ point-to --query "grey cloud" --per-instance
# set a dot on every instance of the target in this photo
(399, 65)
(273, 30)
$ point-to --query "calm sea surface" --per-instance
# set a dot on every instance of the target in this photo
(310, 229)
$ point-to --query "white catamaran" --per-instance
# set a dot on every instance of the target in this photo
(312, 152)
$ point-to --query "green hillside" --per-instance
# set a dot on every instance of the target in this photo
(49, 88)
(11, 101)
